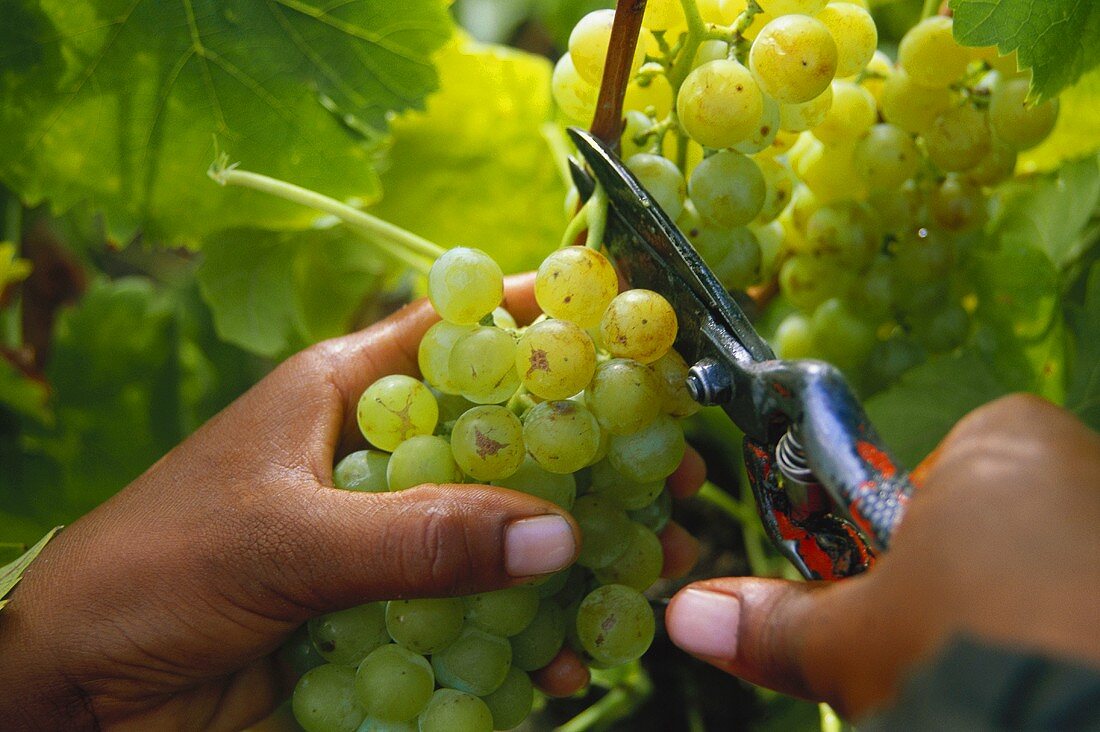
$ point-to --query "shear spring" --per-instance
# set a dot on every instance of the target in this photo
(791, 459)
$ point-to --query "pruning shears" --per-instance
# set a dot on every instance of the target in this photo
(827, 490)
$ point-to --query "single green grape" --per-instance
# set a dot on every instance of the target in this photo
(793, 58)
(1014, 120)
(511, 702)
(958, 204)
(998, 165)
(483, 365)
(662, 179)
(576, 284)
(840, 335)
(807, 282)
(502, 612)
(732, 254)
(538, 643)
(886, 156)
(639, 566)
(615, 624)
(393, 683)
(562, 436)
(588, 44)
(347, 636)
(666, 15)
(555, 359)
(843, 232)
(532, 479)
(728, 189)
(425, 626)
(605, 530)
(930, 55)
(851, 114)
(434, 354)
(465, 285)
(830, 172)
(720, 104)
(650, 454)
(638, 324)
(878, 70)
(958, 139)
(769, 237)
(422, 459)
(629, 494)
(487, 442)
(575, 97)
(855, 33)
(624, 395)
(909, 105)
(454, 711)
(475, 663)
(325, 701)
(672, 372)
(362, 470)
(656, 515)
(395, 408)
(794, 338)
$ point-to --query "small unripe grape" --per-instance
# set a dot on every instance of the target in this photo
(727, 189)
(720, 104)
(662, 179)
(929, 54)
(638, 324)
(1014, 120)
(465, 285)
(855, 34)
(793, 58)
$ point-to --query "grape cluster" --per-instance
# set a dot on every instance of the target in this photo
(792, 152)
(542, 410)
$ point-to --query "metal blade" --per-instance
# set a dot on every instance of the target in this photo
(654, 253)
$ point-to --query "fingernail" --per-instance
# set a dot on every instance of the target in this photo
(538, 545)
(705, 623)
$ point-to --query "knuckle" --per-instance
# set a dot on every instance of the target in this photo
(439, 551)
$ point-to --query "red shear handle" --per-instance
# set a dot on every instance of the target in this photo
(836, 442)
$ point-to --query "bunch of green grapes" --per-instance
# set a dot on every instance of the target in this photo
(579, 408)
(792, 152)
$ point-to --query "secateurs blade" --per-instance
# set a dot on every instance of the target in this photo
(828, 491)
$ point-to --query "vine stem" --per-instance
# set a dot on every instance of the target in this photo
(931, 7)
(395, 241)
(615, 704)
(607, 124)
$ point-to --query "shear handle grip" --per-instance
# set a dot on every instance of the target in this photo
(839, 445)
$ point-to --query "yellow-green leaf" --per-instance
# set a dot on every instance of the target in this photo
(10, 574)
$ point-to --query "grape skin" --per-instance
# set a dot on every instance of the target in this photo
(454, 711)
(465, 285)
(562, 436)
(482, 364)
(958, 139)
(887, 156)
(624, 396)
(803, 116)
(487, 442)
(419, 460)
(555, 359)
(434, 354)
(850, 116)
(727, 189)
(576, 284)
(793, 58)
(575, 97)
(911, 106)
(393, 683)
(615, 624)
(424, 626)
(588, 46)
(720, 104)
(929, 54)
(661, 179)
(324, 700)
(395, 408)
(1014, 121)
(638, 324)
(855, 33)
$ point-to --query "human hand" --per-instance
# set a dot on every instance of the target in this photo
(162, 608)
(999, 543)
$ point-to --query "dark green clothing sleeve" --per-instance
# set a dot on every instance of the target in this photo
(975, 686)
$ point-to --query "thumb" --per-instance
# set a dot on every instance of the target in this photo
(343, 548)
(819, 641)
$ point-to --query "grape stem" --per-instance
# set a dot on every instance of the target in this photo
(597, 217)
(393, 240)
(752, 533)
(931, 7)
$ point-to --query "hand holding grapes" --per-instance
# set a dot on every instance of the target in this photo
(162, 608)
(999, 543)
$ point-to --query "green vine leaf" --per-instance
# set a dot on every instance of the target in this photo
(10, 574)
(1083, 391)
(474, 169)
(124, 103)
(1059, 40)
